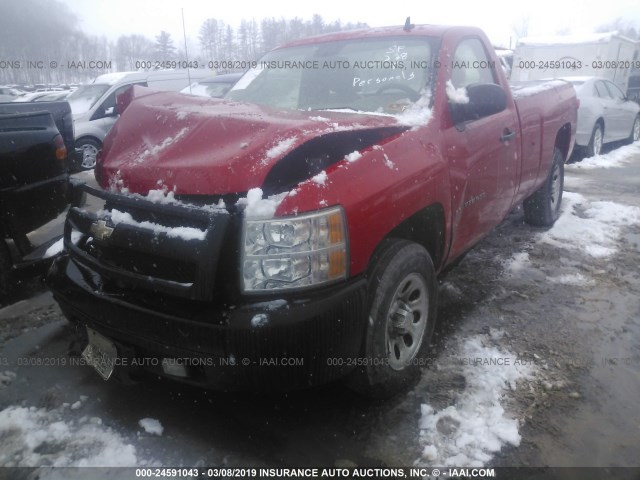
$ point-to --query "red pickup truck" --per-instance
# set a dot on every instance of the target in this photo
(291, 234)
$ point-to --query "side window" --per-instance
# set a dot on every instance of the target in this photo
(602, 90)
(615, 92)
(471, 64)
(108, 106)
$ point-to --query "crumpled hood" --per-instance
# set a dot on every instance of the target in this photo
(200, 146)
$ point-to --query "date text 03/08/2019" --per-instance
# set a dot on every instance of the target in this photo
(406, 472)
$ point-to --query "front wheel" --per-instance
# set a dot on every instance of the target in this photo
(90, 148)
(403, 302)
(543, 207)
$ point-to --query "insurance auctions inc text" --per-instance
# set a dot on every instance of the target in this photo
(349, 472)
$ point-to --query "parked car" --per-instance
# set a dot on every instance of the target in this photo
(35, 141)
(8, 94)
(605, 115)
(215, 87)
(308, 213)
(94, 104)
(52, 97)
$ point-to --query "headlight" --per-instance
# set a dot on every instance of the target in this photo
(294, 252)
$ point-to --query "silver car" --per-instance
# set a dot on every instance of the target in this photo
(605, 115)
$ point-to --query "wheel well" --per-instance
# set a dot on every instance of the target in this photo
(88, 137)
(563, 140)
(601, 122)
(425, 227)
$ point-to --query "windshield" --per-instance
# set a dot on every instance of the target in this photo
(207, 89)
(369, 75)
(86, 97)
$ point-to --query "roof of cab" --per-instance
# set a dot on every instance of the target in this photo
(395, 31)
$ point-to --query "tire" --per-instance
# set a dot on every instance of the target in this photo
(6, 285)
(542, 208)
(90, 148)
(595, 144)
(402, 314)
(634, 136)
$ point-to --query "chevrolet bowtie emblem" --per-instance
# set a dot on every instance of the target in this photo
(100, 230)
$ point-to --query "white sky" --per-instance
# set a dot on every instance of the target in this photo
(497, 17)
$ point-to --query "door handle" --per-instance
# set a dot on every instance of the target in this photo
(507, 135)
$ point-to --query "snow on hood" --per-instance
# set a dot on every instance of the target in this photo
(210, 146)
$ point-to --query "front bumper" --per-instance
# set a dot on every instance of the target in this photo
(286, 343)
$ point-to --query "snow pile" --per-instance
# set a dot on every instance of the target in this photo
(259, 320)
(417, 114)
(34, 437)
(353, 156)
(470, 432)
(281, 147)
(258, 207)
(320, 179)
(518, 262)
(152, 426)
(57, 247)
(576, 279)
(154, 150)
(456, 95)
(161, 195)
(590, 227)
(617, 158)
(185, 233)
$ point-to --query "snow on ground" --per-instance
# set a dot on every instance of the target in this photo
(470, 432)
(518, 262)
(152, 426)
(616, 158)
(576, 279)
(590, 227)
(34, 437)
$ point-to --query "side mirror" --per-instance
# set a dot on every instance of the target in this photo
(484, 99)
(110, 112)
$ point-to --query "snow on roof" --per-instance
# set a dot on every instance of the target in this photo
(112, 78)
(568, 39)
(525, 89)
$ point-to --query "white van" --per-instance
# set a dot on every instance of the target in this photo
(93, 105)
(606, 55)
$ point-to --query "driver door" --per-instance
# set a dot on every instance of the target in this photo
(482, 154)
